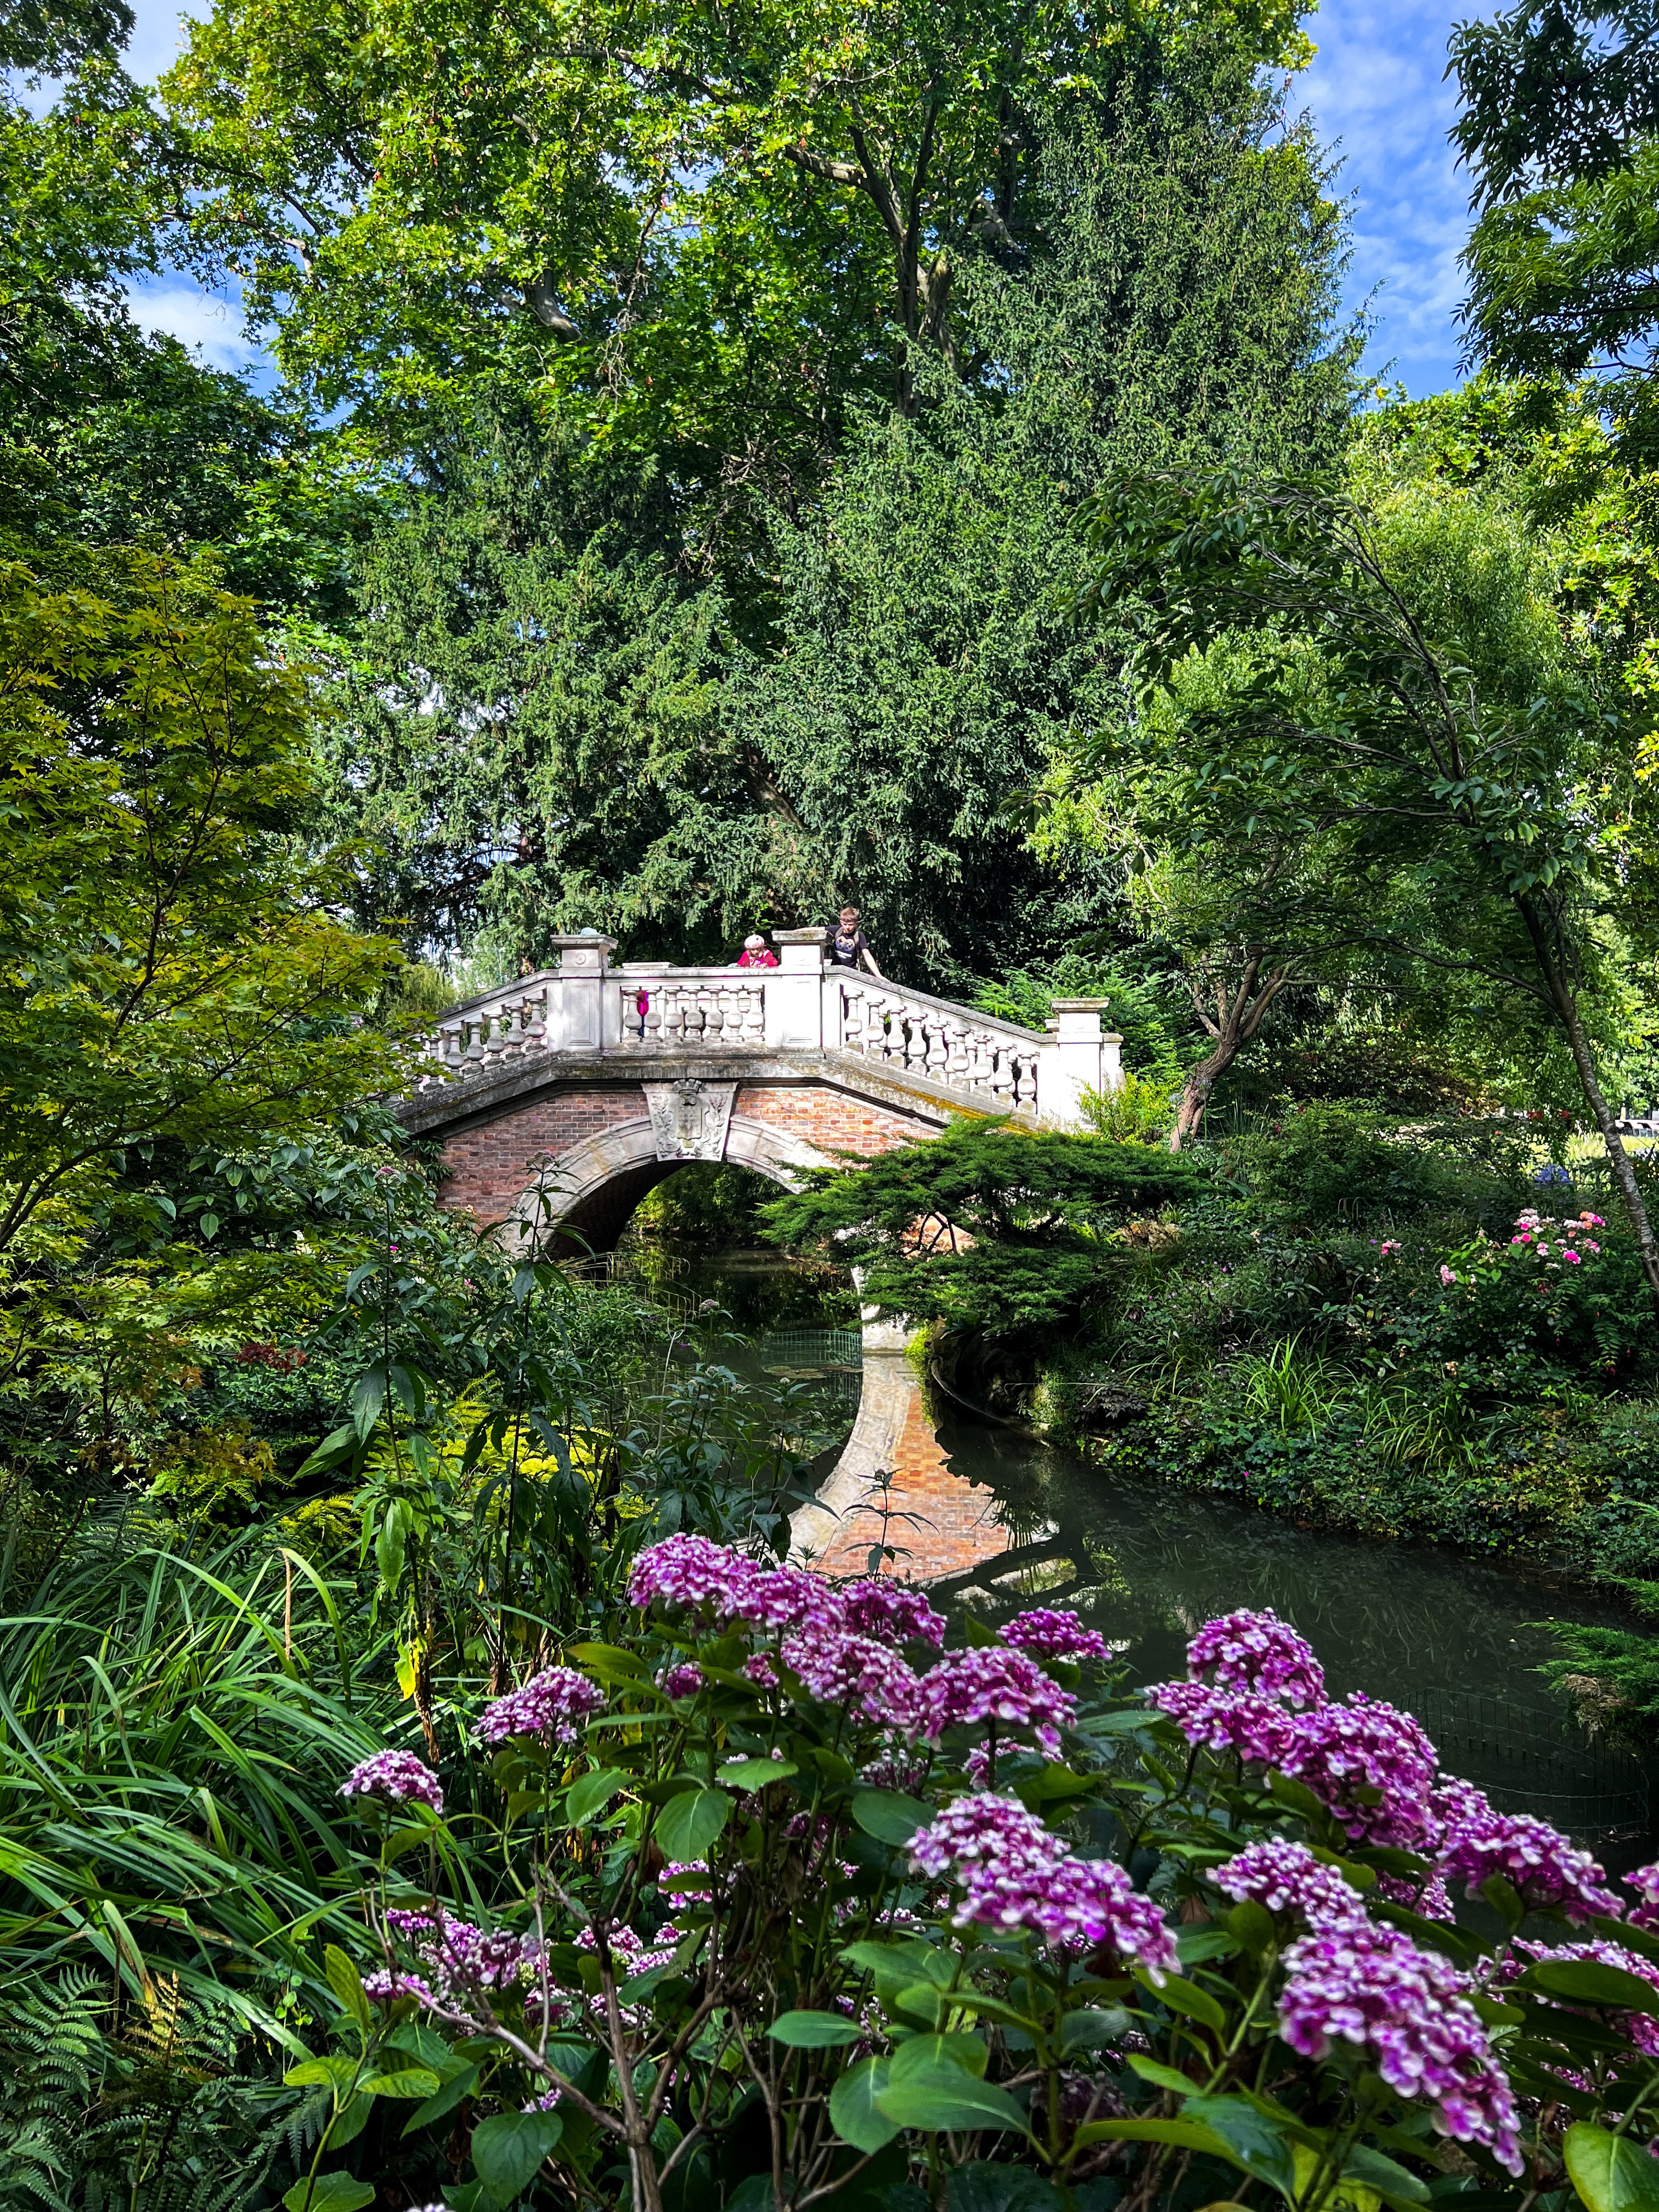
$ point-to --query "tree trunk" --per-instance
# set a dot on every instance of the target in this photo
(1195, 1091)
(1564, 1000)
(1232, 1026)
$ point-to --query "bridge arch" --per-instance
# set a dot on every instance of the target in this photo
(584, 1194)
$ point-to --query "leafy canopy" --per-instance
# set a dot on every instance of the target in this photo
(169, 967)
(1560, 128)
(983, 1227)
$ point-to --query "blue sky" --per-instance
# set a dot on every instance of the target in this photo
(1376, 92)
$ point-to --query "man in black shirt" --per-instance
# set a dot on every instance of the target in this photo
(848, 943)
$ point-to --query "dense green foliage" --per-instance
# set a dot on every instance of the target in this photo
(696, 438)
(1560, 127)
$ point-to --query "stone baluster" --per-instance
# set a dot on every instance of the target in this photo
(490, 1023)
(1002, 1076)
(957, 1061)
(449, 1047)
(754, 1021)
(534, 1006)
(472, 1058)
(651, 1031)
(937, 1050)
(512, 1035)
(875, 1023)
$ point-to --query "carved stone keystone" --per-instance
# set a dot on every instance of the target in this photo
(690, 1119)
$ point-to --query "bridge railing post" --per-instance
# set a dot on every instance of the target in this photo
(578, 1002)
(794, 992)
(1075, 1057)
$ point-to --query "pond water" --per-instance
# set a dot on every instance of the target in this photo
(1458, 1641)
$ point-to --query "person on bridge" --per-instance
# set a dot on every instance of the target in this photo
(756, 953)
(848, 943)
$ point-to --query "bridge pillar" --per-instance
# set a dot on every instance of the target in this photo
(579, 1008)
(1076, 1057)
(794, 992)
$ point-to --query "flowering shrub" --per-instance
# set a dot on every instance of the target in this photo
(1555, 1292)
(798, 1903)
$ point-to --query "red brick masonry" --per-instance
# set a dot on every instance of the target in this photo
(491, 1165)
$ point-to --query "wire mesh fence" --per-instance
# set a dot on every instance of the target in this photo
(831, 1359)
(1536, 1758)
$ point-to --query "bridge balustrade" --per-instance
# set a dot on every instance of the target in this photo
(586, 1007)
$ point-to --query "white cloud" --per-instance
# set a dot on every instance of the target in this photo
(1378, 92)
(209, 327)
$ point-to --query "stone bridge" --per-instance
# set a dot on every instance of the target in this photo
(565, 1097)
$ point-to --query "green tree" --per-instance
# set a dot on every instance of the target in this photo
(985, 1227)
(169, 965)
(1421, 709)
(560, 718)
(1560, 128)
(694, 229)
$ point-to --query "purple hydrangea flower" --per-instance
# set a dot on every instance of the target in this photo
(856, 1672)
(396, 1777)
(1545, 1868)
(683, 1680)
(1043, 1633)
(985, 1830)
(383, 1986)
(967, 1688)
(1077, 1905)
(1227, 1720)
(785, 1598)
(459, 1960)
(1286, 1877)
(1645, 1882)
(1013, 1873)
(1259, 1652)
(886, 1609)
(1363, 1744)
(553, 1704)
(689, 1573)
(761, 1671)
(1408, 2011)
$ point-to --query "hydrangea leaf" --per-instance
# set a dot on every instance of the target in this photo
(330, 2192)
(507, 2150)
(592, 1792)
(924, 2054)
(416, 2082)
(1586, 1981)
(854, 2112)
(690, 1823)
(889, 1815)
(1610, 2172)
(947, 2096)
(814, 2030)
(757, 1773)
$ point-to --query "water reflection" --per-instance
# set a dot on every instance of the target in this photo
(1457, 1641)
(1147, 1564)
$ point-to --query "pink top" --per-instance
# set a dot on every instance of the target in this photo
(757, 960)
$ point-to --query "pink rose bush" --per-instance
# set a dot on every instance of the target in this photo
(769, 1836)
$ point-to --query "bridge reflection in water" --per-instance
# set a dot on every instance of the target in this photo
(993, 1520)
